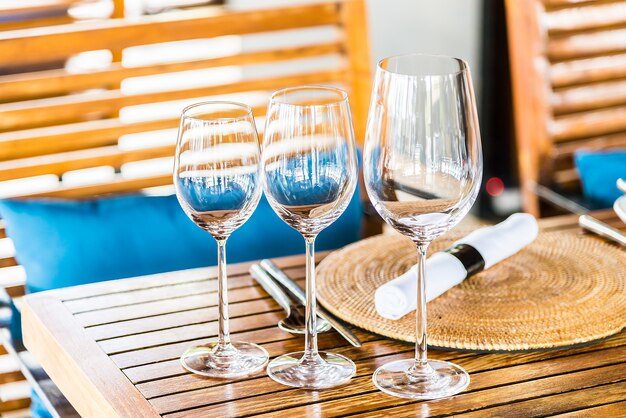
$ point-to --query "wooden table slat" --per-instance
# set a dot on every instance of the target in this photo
(615, 409)
(548, 405)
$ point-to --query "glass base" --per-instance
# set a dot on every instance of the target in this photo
(236, 360)
(438, 379)
(323, 371)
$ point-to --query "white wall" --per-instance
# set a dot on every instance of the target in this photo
(445, 27)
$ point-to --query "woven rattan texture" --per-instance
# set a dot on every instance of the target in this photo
(563, 289)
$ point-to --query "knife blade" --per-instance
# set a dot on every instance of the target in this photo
(585, 220)
(598, 227)
(295, 290)
(271, 287)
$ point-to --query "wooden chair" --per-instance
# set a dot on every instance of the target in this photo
(54, 122)
(568, 66)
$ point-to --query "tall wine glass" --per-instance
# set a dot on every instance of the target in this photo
(310, 173)
(217, 179)
(423, 168)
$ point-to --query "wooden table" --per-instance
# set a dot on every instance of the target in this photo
(113, 348)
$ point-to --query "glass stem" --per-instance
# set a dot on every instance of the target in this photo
(222, 291)
(421, 361)
(310, 337)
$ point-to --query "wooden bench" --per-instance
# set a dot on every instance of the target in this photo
(60, 124)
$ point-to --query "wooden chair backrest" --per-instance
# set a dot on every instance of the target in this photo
(56, 121)
(568, 69)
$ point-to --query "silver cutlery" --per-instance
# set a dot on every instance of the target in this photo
(294, 289)
(598, 227)
(585, 221)
(295, 320)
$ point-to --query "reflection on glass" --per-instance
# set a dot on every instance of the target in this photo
(310, 173)
(423, 167)
(217, 180)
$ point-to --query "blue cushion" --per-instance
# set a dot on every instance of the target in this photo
(66, 243)
(599, 172)
(37, 407)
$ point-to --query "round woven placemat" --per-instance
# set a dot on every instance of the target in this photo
(561, 290)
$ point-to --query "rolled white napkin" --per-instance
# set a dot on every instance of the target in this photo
(444, 270)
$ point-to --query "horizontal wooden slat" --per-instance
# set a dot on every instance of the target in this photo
(14, 404)
(567, 178)
(587, 45)
(589, 124)
(72, 137)
(587, 18)
(39, 44)
(7, 262)
(34, 6)
(76, 160)
(548, 405)
(10, 377)
(608, 410)
(58, 82)
(117, 186)
(566, 150)
(15, 290)
(596, 96)
(36, 23)
(554, 4)
(67, 109)
(586, 71)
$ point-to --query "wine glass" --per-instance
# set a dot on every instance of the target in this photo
(217, 180)
(423, 168)
(310, 173)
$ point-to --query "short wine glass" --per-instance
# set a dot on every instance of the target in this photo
(218, 184)
(422, 169)
(309, 175)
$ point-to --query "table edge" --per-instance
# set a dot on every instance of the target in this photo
(64, 350)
